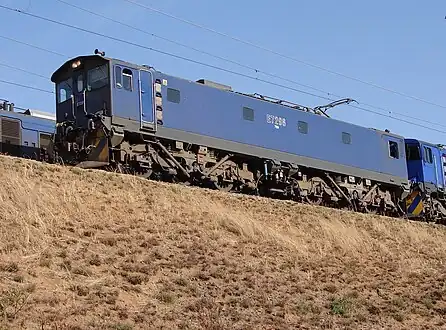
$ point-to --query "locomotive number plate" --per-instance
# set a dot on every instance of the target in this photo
(276, 120)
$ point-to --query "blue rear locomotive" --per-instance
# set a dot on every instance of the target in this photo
(114, 113)
(426, 165)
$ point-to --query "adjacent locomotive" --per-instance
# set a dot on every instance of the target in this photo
(27, 133)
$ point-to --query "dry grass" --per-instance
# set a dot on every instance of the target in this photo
(92, 250)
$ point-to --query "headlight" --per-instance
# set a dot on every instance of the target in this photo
(75, 64)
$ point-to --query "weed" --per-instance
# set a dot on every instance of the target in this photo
(340, 306)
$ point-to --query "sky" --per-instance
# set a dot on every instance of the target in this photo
(393, 44)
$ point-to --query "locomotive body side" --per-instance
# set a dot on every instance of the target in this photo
(239, 123)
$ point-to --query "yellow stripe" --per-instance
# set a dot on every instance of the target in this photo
(411, 198)
(418, 209)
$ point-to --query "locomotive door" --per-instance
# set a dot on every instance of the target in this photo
(146, 100)
(79, 98)
(430, 164)
(394, 148)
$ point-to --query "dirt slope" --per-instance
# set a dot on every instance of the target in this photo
(92, 250)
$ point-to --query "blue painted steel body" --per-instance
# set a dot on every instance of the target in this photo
(125, 103)
(137, 103)
(31, 126)
(213, 112)
(427, 166)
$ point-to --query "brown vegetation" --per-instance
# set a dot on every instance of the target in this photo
(92, 250)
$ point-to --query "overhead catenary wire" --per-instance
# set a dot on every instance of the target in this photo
(195, 49)
(8, 82)
(159, 51)
(23, 70)
(31, 45)
(241, 64)
(202, 63)
(282, 55)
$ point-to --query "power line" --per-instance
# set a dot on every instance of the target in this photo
(200, 63)
(31, 45)
(160, 51)
(282, 55)
(26, 86)
(196, 49)
(23, 70)
(399, 119)
(238, 63)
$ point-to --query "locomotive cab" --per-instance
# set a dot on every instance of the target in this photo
(83, 99)
(95, 98)
(425, 165)
(426, 168)
(82, 89)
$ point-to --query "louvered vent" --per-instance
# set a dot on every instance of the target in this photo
(10, 131)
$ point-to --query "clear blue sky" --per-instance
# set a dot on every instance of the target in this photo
(397, 44)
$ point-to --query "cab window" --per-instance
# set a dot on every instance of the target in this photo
(412, 152)
(127, 82)
(97, 77)
(64, 90)
(393, 150)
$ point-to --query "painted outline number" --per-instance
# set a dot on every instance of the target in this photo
(276, 120)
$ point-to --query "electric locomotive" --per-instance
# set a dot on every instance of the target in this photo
(114, 114)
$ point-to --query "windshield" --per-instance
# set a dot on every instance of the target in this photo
(413, 152)
(64, 90)
(97, 77)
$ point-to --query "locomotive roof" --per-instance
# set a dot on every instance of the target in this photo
(67, 65)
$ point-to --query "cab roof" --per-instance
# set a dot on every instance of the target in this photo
(64, 68)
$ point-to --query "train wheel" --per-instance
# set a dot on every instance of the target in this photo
(313, 200)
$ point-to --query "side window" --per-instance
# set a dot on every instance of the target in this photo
(118, 77)
(173, 95)
(302, 127)
(346, 138)
(248, 114)
(393, 150)
(127, 79)
(428, 155)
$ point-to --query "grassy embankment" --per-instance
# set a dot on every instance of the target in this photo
(86, 249)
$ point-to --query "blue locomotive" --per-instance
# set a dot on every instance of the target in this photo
(111, 113)
(27, 133)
